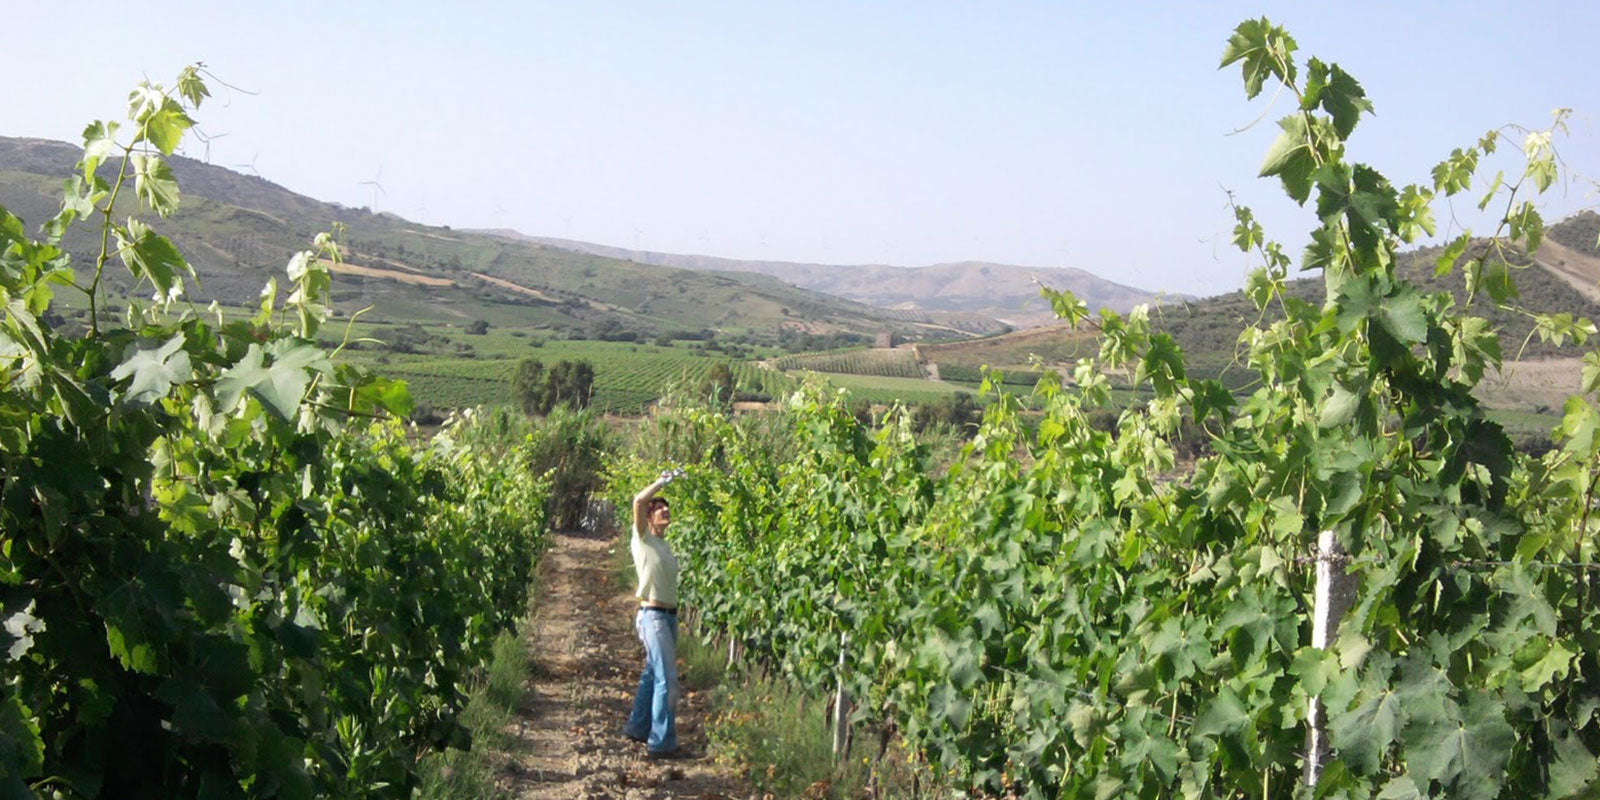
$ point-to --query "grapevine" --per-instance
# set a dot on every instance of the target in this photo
(225, 570)
(1064, 613)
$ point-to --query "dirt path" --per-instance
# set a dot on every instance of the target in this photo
(1579, 270)
(569, 733)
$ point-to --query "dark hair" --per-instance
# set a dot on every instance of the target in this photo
(655, 503)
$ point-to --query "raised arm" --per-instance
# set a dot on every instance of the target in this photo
(641, 501)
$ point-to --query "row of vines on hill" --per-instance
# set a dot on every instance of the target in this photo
(895, 363)
(225, 571)
(1049, 615)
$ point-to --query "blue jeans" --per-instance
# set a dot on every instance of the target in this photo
(657, 699)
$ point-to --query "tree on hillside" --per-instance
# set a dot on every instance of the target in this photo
(527, 386)
(538, 390)
(718, 385)
(610, 330)
(955, 410)
(570, 383)
(408, 338)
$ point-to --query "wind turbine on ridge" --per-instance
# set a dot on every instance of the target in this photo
(207, 140)
(377, 188)
(250, 166)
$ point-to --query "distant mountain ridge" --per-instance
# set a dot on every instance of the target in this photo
(238, 230)
(1005, 292)
(1562, 276)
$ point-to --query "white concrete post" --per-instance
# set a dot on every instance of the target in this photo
(1335, 592)
(841, 706)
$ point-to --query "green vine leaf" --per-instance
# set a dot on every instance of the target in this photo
(1527, 226)
(162, 122)
(1066, 305)
(1591, 372)
(1290, 158)
(1264, 50)
(1446, 263)
(1339, 407)
(371, 393)
(1416, 214)
(1162, 364)
(1401, 788)
(1373, 209)
(1574, 767)
(1401, 314)
(191, 86)
(154, 184)
(99, 141)
(21, 746)
(151, 256)
(1363, 734)
(1454, 174)
(1465, 754)
(154, 369)
(277, 376)
(194, 711)
(1555, 664)
(1337, 93)
(1579, 422)
(1224, 715)
(1541, 159)
(1494, 189)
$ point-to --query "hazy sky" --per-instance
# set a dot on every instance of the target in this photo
(910, 133)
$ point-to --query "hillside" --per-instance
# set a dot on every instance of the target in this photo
(975, 289)
(1571, 251)
(1208, 329)
(237, 230)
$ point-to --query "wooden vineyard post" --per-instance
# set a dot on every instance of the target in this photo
(1335, 591)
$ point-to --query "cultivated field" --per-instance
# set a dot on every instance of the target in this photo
(628, 377)
(900, 362)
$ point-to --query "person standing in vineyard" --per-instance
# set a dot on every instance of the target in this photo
(655, 704)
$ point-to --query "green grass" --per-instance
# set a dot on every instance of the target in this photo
(628, 377)
(623, 575)
(468, 774)
(876, 389)
(703, 665)
(779, 732)
(780, 736)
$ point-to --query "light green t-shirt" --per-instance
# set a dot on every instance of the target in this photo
(656, 568)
